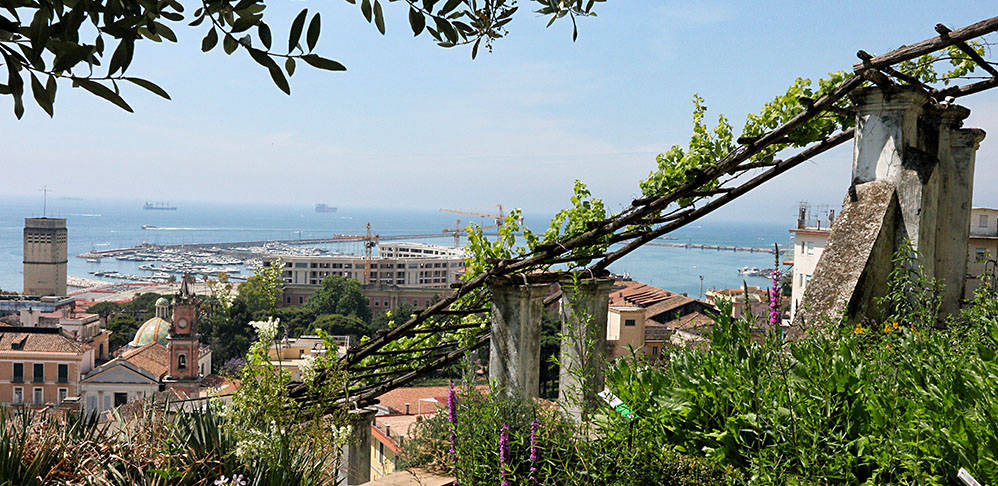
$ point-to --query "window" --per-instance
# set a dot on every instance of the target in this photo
(982, 221)
(18, 397)
(629, 322)
(381, 452)
(63, 392)
(100, 353)
(981, 254)
(38, 396)
(810, 248)
(63, 373)
(38, 373)
(301, 265)
(301, 299)
(182, 362)
(18, 373)
(654, 351)
(802, 280)
(120, 398)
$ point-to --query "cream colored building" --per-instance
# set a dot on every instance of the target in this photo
(41, 366)
(982, 247)
(809, 243)
(403, 264)
(982, 253)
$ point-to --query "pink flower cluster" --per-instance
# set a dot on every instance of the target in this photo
(452, 418)
(504, 454)
(774, 300)
(534, 456)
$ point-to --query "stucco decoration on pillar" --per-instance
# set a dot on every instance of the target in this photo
(515, 345)
(355, 455)
(584, 308)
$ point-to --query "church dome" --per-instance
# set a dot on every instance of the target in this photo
(156, 329)
(162, 301)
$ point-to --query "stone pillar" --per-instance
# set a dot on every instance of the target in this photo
(515, 346)
(955, 203)
(583, 358)
(958, 150)
(897, 141)
(355, 456)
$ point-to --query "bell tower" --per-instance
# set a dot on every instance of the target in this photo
(183, 343)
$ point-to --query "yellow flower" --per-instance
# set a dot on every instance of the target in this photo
(895, 324)
(858, 329)
(887, 328)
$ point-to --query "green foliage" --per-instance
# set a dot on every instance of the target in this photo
(895, 401)
(923, 68)
(267, 423)
(262, 291)
(565, 456)
(339, 295)
(338, 324)
(42, 43)
(678, 165)
(123, 328)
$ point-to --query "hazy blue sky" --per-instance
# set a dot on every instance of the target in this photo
(414, 125)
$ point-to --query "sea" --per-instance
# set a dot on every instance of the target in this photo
(100, 224)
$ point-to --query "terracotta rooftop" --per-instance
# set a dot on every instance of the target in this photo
(690, 321)
(152, 357)
(630, 292)
(397, 398)
(30, 340)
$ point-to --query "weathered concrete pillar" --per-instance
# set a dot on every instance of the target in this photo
(897, 141)
(957, 153)
(912, 180)
(584, 308)
(355, 456)
(515, 346)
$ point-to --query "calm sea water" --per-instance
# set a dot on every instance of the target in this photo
(103, 224)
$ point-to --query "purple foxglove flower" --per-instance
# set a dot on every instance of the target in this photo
(774, 300)
(504, 454)
(534, 456)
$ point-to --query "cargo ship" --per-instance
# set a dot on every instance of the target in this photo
(161, 206)
(324, 208)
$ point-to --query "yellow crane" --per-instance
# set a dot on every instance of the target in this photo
(498, 218)
(458, 231)
(370, 242)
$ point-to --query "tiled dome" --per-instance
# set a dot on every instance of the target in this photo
(156, 329)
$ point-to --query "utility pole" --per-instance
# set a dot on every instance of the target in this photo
(701, 286)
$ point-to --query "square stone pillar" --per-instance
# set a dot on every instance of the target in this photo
(581, 377)
(958, 151)
(355, 456)
(515, 345)
(897, 141)
(955, 203)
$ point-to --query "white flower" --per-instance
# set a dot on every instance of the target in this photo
(308, 369)
(266, 330)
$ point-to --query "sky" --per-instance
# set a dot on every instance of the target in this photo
(413, 125)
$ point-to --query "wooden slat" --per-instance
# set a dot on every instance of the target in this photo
(945, 32)
(927, 46)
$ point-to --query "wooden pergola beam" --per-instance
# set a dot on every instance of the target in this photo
(927, 46)
(946, 32)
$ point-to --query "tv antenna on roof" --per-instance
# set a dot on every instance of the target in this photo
(45, 193)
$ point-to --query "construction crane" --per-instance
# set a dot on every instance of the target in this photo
(498, 218)
(458, 230)
(370, 242)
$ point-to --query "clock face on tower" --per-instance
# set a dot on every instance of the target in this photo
(182, 323)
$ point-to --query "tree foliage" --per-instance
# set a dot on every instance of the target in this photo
(339, 295)
(91, 44)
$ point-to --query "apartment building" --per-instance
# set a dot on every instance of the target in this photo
(645, 318)
(406, 264)
(982, 248)
(982, 252)
(41, 366)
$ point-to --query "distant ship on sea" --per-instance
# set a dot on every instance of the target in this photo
(161, 206)
(324, 208)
